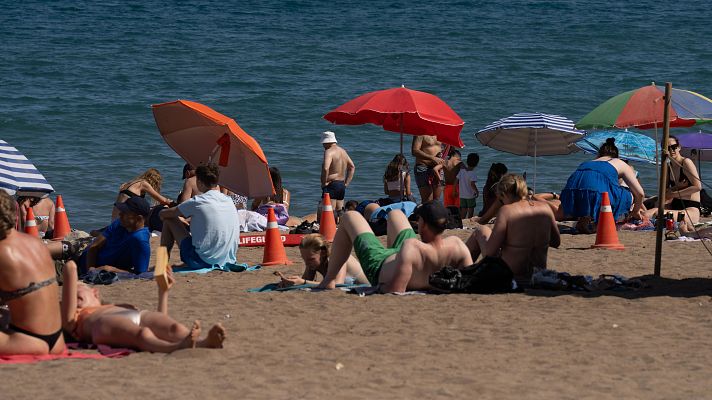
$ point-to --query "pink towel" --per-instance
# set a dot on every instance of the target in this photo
(104, 352)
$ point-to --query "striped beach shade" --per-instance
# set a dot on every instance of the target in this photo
(18, 176)
(531, 134)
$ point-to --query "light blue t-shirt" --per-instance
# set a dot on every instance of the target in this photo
(214, 227)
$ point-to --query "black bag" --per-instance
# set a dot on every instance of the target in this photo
(491, 275)
(705, 203)
(453, 219)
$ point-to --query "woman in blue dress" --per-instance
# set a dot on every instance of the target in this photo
(581, 198)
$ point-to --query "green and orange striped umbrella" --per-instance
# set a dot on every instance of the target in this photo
(643, 109)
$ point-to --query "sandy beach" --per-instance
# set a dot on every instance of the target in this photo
(649, 343)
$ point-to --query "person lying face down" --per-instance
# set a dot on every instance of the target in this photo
(522, 234)
(315, 251)
(406, 263)
(90, 321)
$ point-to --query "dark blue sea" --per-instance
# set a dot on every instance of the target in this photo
(77, 78)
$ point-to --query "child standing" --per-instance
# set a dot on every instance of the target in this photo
(467, 181)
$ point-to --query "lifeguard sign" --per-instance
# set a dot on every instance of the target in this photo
(259, 240)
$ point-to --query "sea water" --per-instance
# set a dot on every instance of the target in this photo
(77, 79)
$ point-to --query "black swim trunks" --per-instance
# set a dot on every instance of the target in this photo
(336, 190)
(425, 176)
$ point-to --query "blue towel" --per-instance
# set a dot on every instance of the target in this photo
(227, 268)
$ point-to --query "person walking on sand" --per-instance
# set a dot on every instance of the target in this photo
(522, 234)
(428, 167)
(214, 224)
(28, 286)
(406, 264)
(337, 170)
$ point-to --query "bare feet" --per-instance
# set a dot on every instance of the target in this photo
(191, 340)
(215, 338)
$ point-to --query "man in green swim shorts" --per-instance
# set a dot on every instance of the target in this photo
(405, 263)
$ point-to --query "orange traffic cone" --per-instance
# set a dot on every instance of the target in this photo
(606, 235)
(274, 248)
(327, 222)
(31, 224)
(61, 222)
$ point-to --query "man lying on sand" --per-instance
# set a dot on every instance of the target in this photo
(406, 264)
(123, 325)
(522, 233)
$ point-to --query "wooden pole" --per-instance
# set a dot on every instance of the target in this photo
(662, 183)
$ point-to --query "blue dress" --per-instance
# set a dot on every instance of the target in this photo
(582, 195)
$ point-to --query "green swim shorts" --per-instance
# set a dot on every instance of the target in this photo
(371, 253)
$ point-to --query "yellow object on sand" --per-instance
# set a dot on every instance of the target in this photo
(160, 272)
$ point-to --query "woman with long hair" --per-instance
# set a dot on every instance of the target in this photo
(315, 252)
(396, 179)
(683, 188)
(281, 195)
(148, 182)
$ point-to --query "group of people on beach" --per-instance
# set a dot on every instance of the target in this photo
(205, 220)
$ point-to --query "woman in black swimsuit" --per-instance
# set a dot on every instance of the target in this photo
(29, 289)
(148, 182)
(683, 187)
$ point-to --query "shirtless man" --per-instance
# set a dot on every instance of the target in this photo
(430, 180)
(28, 286)
(337, 171)
(407, 263)
(190, 184)
(522, 234)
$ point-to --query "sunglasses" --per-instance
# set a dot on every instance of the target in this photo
(673, 147)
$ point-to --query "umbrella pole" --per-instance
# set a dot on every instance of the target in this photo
(662, 181)
(535, 145)
(401, 179)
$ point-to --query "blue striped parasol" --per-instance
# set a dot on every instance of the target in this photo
(18, 176)
(531, 134)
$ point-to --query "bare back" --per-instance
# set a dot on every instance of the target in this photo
(336, 163)
(418, 260)
(25, 260)
(522, 234)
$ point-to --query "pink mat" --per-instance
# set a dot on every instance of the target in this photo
(103, 353)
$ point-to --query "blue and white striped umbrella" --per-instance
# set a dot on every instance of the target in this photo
(18, 176)
(531, 134)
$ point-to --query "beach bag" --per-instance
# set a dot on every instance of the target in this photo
(453, 219)
(280, 212)
(489, 276)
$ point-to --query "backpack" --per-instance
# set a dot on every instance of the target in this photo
(489, 276)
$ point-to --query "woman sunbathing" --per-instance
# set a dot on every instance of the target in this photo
(122, 325)
(315, 251)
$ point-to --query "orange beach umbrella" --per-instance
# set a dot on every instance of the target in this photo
(198, 134)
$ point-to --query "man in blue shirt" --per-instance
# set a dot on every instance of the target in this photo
(124, 245)
(214, 225)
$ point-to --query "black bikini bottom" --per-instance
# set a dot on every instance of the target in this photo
(679, 204)
(50, 339)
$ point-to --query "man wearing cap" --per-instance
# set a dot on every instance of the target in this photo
(406, 264)
(337, 171)
(124, 245)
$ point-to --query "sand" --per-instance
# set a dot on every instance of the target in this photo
(652, 343)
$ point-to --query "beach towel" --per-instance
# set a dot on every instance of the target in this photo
(29, 359)
(371, 290)
(274, 287)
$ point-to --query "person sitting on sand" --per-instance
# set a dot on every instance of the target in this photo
(396, 179)
(43, 209)
(90, 321)
(28, 287)
(490, 203)
(683, 188)
(315, 250)
(581, 197)
(125, 244)
(148, 182)
(406, 263)
(190, 184)
(214, 224)
(522, 234)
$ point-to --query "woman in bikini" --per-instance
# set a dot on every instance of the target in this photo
(683, 188)
(122, 325)
(147, 183)
(28, 288)
(43, 209)
(315, 251)
(396, 180)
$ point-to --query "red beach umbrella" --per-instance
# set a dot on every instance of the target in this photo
(402, 110)
(197, 133)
